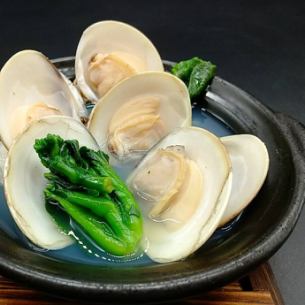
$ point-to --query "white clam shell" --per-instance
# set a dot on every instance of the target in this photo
(24, 182)
(112, 36)
(250, 163)
(175, 106)
(28, 78)
(213, 161)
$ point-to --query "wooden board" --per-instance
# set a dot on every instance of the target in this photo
(258, 288)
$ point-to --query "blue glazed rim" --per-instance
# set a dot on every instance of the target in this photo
(265, 226)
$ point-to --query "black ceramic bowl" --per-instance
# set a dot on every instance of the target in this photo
(265, 224)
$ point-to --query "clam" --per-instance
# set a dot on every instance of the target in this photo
(138, 112)
(250, 163)
(24, 181)
(30, 88)
(183, 186)
(107, 53)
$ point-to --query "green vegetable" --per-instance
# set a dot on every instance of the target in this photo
(196, 74)
(200, 78)
(83, 183)
(183, 69)
(62, 158)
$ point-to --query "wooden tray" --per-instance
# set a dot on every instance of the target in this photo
(257, 288)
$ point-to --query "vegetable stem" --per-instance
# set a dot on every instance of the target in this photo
(95, 228)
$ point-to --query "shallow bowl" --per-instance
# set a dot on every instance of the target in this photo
(261, 230)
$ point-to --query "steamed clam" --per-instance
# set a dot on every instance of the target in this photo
(30, 88)
(109, 52)
(183, 186)
(138, 112)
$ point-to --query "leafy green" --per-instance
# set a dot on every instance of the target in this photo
(183, 69)
(200, 78)
(196, 74)
(83, 183)
(63, 159)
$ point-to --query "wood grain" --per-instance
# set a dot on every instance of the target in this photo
(263, 279)
(258, 288)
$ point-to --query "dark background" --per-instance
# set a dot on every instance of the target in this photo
(257, 45)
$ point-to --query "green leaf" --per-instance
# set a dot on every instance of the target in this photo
(200, 78)
(196, 73)
(183, 69)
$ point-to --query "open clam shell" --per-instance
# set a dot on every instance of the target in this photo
(110, 51)
(30, 88)
(173, 236)
(138, 112)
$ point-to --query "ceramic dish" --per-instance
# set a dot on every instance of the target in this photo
(254, 237)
